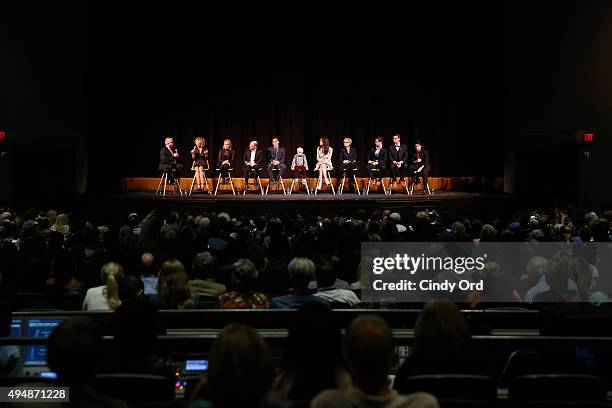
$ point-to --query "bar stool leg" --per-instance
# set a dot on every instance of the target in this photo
(356, 184)
(218, 181)
(192, 183)
(159, 187)
(261, 190)
(231, 182)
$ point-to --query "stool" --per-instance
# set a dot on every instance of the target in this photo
(382, 181)
(341, 188)
(279, 180)
(229, 174)
(413, 183)
(320, 182)
(194, 180)
(299, 180)
(163, 182)
(257, 180)
(391, 183)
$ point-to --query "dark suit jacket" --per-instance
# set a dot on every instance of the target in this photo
(382, 157)
(424, 158)
(225, 155)
(398, 155)
(344, 155)
(259, 157)
(280, 154)
(166, 160)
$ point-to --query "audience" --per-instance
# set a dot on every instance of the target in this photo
(326, 288)
(173, 286)
(72, 353)
(301, 273)
(240, 371)
(106, 296)
(244, 294)
(370, 354)
(203, 275)
(313, 356)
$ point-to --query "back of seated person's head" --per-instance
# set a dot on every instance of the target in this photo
(5, 319)
(147, 264)
(173, 285)
(110, 273)
(441, 328)
(257, 255)
(63, 267)
(277, 277)
(135, 325)
(301, 272)
(314, 350)
(244, 275)
(73, 350)
(557, 274)
(370, 352)
(488, 233)
(326, 275)
(240, 369)
(130, 288)
(203, 266)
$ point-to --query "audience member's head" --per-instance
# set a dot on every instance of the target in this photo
(241, 368)
(73, 350)
(203, 266)
(326, 275)
(110, 273)
(130, 288)
(370, 353)
(301, 272)
(173, 285)
(441, 328)
(313, 351)
(244, 275)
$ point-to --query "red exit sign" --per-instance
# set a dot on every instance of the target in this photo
(587, 138)
(2, 135)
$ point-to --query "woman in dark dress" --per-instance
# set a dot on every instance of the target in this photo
(225, 159)
(199, 154)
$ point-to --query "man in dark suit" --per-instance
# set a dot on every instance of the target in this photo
(168, 156)
(253, 159)
(419, 163)
(398, 158)
(276, 159)
(377, 159)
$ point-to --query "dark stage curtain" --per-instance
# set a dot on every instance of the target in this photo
(459, 129)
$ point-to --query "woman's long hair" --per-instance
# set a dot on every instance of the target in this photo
(325, 145)
(173, 285)
(110, 273)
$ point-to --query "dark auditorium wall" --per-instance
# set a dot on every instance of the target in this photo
(42, 105)
(560, 81)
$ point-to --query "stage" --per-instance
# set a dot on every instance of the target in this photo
(454, 203)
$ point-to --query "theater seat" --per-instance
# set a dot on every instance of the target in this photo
(466, 387)
(546, 388)
(135, 389)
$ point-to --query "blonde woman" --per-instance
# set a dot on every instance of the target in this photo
(225, 159)
(105, 297)
(199, 154)
(324, 161)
